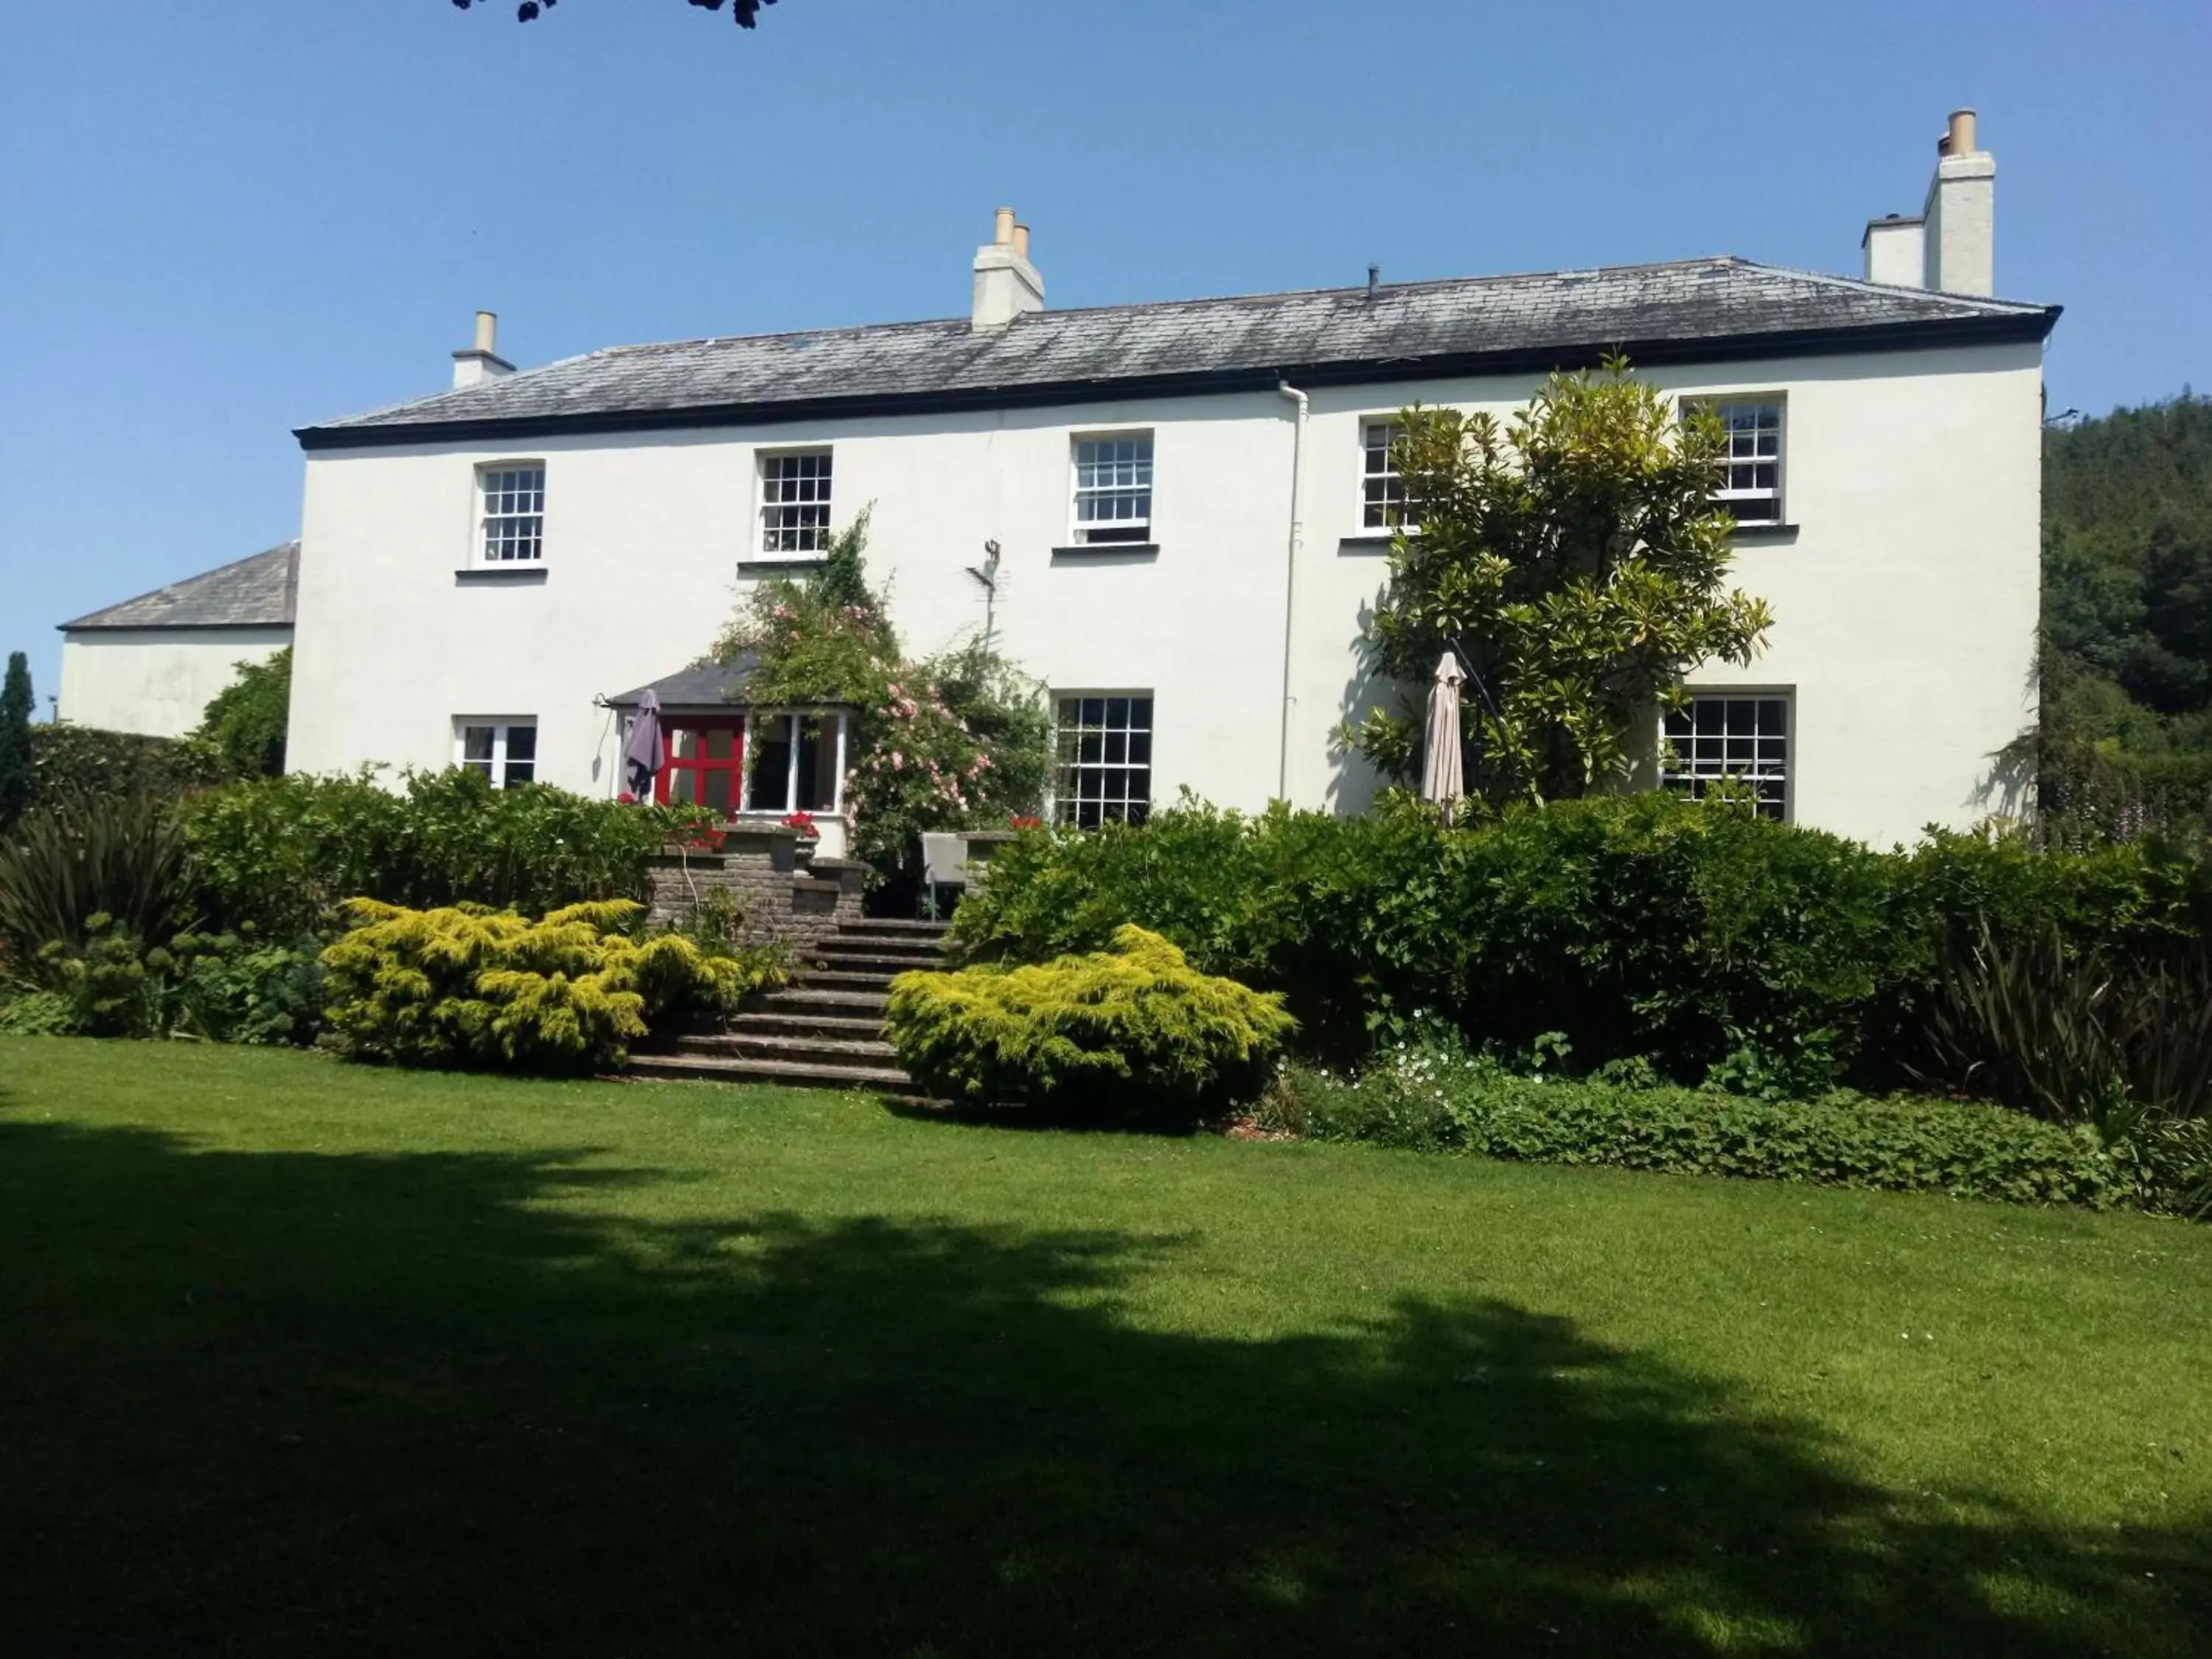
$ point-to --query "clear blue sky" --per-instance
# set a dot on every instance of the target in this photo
(222, 219)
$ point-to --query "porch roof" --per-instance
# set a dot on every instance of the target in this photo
(704, 688)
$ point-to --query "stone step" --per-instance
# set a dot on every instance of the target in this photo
(843, 949)
(870, 960)
(733, 1068)
(797, 998)
(811, 1048)
(826, 978)
(892, 924)
(838, 1028)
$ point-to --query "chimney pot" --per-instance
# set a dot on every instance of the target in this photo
(481, 360)
(1959, 137)
(1373, 281)
(1959, 246)
(1006, 283)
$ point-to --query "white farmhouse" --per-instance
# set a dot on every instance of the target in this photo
(1187, 500)
(151, 663)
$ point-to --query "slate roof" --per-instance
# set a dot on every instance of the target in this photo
(1690, 310)
(257, 591)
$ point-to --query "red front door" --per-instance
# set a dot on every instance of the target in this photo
(705, 766)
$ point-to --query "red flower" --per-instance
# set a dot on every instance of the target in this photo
(804, 823)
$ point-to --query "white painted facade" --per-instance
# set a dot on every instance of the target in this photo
(155, 680)
(1905, 596)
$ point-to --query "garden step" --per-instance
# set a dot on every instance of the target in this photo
(812, 1047)
(837, 1027)
(731, 1068)
(828, 979)
(890, 925)
(885, 967)
(878, 950)
(799, 1000)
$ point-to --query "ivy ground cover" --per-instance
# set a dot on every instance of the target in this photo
(303, 1358)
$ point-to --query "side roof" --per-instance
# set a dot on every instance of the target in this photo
(1696, 310)
(260, 591)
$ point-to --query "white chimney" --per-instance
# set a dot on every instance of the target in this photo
(1892, 248)
(1959, 246)
(1006, 283)
(482, 361)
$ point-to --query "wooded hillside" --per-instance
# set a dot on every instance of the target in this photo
(2126, 739)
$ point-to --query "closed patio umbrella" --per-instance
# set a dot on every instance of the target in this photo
(1442, 781)
(647, 752)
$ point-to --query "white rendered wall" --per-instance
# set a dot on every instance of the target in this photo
(155, 680)
(1906, 599)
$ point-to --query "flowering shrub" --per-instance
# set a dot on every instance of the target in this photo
(958, 741)
(804, 823)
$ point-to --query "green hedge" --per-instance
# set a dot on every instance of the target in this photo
(284, 853)
(85, 759)
(1776, 959)
(1131, 1032)
(1425, 1099)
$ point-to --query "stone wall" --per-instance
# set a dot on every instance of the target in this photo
(784, 898)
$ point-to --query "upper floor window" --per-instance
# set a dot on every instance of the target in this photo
(513, 512)
(1730, 734)
(1114, 489)
(506, 751)
(795, 501)
(1105, 769)
(1751, 479)
(1383, 503)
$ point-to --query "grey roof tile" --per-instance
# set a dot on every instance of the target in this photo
(1691, 306)
(260, 591)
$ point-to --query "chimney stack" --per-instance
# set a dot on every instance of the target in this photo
(1952, 245)
(1958, 247)
(1006, 283)
(482, 361)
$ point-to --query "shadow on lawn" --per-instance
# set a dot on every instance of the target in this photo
(283, 1403)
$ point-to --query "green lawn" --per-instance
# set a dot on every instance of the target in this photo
(302, 1358)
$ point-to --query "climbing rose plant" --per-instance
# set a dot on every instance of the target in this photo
(960, 740)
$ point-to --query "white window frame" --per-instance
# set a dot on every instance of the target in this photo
(1083, 533)
(1728, 494)
(1680, 773)
(776, 540)
(491, 480)
(497, 767)
(1066, 808)
(1369, 425)
(755, 719)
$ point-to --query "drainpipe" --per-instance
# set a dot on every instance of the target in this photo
(1290, 585)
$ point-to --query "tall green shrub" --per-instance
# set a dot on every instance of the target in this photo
(16, 705)
(245, 722)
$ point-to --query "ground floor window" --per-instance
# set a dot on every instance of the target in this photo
(503, 750)
(1105, 769)
(797, 763)
(1731, 734)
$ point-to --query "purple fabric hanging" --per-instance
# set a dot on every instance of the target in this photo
(647, 752)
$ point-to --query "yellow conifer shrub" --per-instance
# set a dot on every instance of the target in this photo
(467, 984)
(1132, 1031)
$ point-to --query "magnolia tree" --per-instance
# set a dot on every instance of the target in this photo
(1573, 558)
(960, 740)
